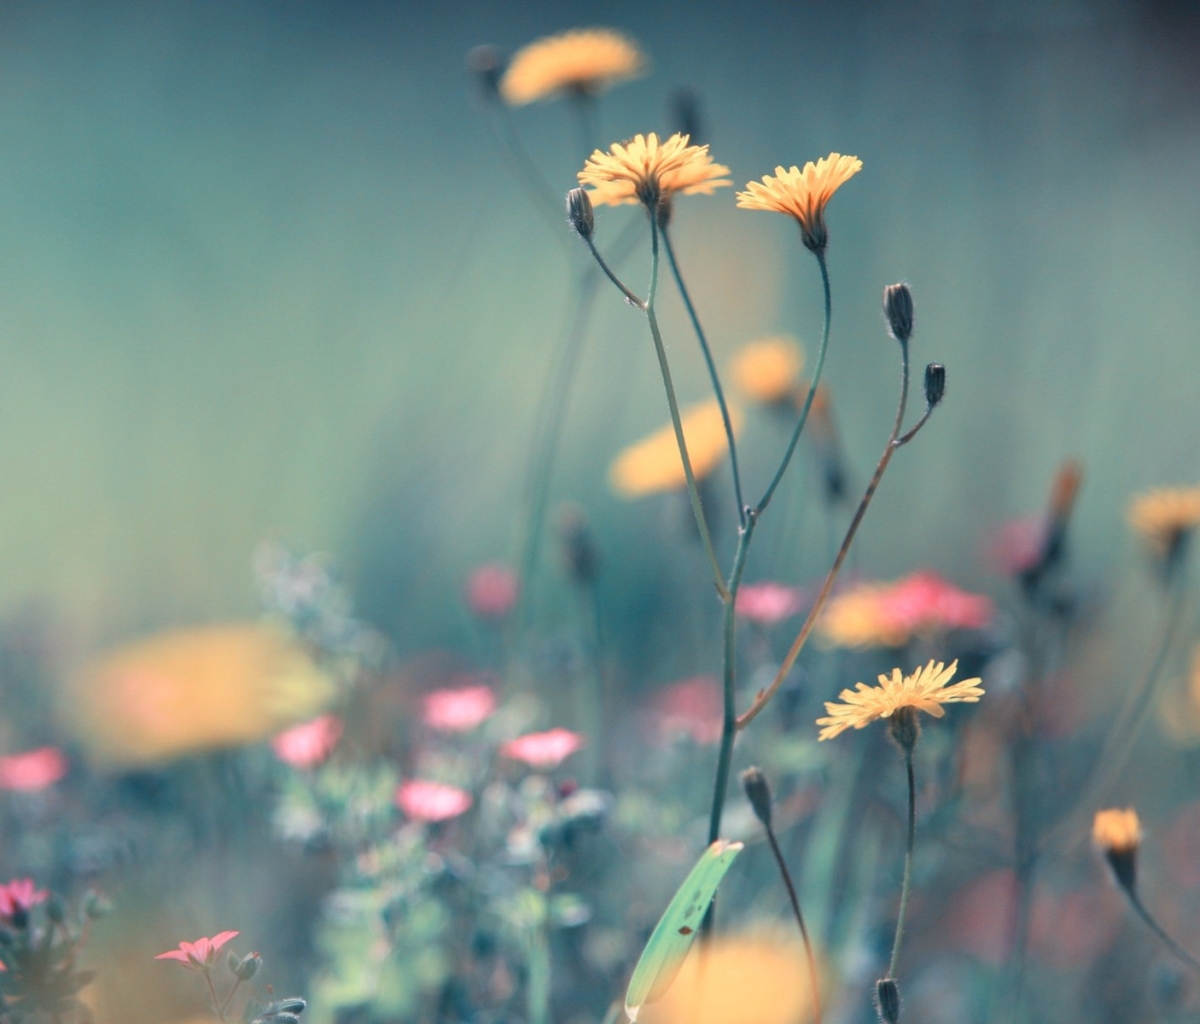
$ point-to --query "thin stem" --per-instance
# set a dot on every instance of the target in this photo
(1179, 952)
(890, 449)
(229, 998)
(812, 389)
(585, 113)
(908, 856)
(544, 196)
(795, 901)
(712, 373)
(216, 1002)
(632, 299)
(660, 350)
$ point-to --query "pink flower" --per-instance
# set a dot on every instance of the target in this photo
(460, 709)
(33, 770)
(19, 895)
(198, 955)
(308, 744)
(1018, 545)
(925, 601)
(691, 708)
(423, 800)
(492, 590)
(543, 750)
(768, 603)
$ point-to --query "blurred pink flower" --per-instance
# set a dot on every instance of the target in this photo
(492, 590)
(308, 744)
(198, 955)
(459, 709)
(1017, 546)
(768, 603)
(925, 601)
(692, 708)
(19, 894)
(423, 800)
(543, 749)
(33, 770)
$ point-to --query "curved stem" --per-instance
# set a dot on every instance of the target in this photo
(908, 855)
(890, 449)
(672, 402)
(1179, 952)
(795, 901)
(812, 389)
(632, 299)
(712, 373)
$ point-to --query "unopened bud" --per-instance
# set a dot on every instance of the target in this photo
(579, 212)
(285, 1018)
(95, 905)
(248, 966)
(293, 1004)
(486, 65)
(579, 548)
(56, 910)
(898, 308)
(887, 1000)
(935, 384)
(758, 792)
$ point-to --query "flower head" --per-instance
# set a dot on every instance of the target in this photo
(19, 896)
(1166, 516)
(653, 465)
(308, 744)
(924, 690)
(459, 709)
(199, 955)
(492, 590)
(423, 800)
(767, 603)
(1117, 834)
(766, 370)
(585, 60)
(33, 770)
(543, 750)
(802, 194)
(645, 170)
(690, 708)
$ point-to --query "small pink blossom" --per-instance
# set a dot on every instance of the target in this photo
(491, 590)
(33, 770)
(692, 708)
(198, 955)
(423, 800)
(768, 603)
(20, 895)
(543, 750)
(308, 744)
(459, 709)
(925, 601)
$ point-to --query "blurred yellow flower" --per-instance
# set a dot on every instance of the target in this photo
(645, 170)
(1164, 516)
(196, 689)
(584, 60)
(802, 194)
(1116, 831)
(766, 370)
(859, 618)
(924, 690)
(750, 979)
(653, 465)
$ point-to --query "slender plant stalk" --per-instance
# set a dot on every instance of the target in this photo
(795, 901)
(712, 373)
(1176, 949)
(908, 856)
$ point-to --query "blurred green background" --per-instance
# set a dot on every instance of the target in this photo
(265, 275)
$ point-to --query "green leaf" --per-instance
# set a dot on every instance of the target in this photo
(676, 930)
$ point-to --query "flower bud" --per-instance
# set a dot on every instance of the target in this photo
(248, 966)
(579, 212)
(95, 906)
(578, 546)
(1118, 833)
(887, 1000)
(898, 308)
(56, 909)
(935, 384)
(486, 65)
(758, 792)
(293, 1004)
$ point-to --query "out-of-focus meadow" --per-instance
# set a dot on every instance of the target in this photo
(281, 307)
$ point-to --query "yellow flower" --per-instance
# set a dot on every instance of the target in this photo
(766, 370)
(924, 690)
(645, 170)
(802, 194)
(653, 465)
(1166, 515)
(584, 60)
(196, 689)
(1116, 830)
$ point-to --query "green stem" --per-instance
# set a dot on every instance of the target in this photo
(1179, 952)
(216, 1002)
(908, 856)
(812, 389)
(795, 901)
(660, 350)
(712, 373)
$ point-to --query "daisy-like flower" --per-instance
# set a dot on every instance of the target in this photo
(199, 955)
(766, 370)
(1165, 516)
(924, 690)
(543, 750)
(653, 464)
(423, 800)
(1117, 834)
(803, 194)
(586, 61)
(648, 171)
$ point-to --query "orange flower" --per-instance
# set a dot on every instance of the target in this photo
(1165, 516)
(645, 170)
(766, 370)
(802, 194)
(1116, 831)
(585, 61)
(653, 465)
